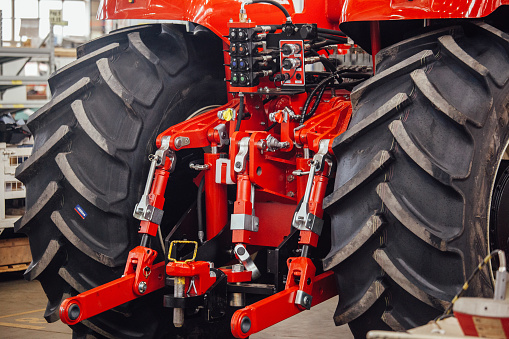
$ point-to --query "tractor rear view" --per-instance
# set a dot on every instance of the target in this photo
(215, 179)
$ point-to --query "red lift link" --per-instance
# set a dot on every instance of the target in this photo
(278, 307)
(140, 278)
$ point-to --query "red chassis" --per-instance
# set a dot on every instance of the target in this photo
(260, 161)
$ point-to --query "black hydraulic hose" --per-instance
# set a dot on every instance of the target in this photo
(330, 31)
(240, 116)
(355, 75)
(322, 83)
(199, 208)
(323, 43)
(327, 64)
(317, 102)
(275, 3)
(338, 39)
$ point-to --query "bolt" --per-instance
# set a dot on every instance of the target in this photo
(178, 143)
(306, 300)
(238, 164)
(291, 194)
(291, 178)
(142, 287)
(241, 251)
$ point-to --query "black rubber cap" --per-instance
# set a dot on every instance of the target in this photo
(73, 312)
(245, 325)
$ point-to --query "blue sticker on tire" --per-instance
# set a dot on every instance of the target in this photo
(80, 211)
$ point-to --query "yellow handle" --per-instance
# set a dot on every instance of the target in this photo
(183, 242)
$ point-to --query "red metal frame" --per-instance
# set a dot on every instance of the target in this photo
(280, 306)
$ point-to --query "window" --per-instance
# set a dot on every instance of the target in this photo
(76, 12)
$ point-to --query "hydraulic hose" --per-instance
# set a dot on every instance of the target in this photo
(330, 31)
(316, 103)
(240, 116)
(322, 83)
(201, 229)
(338, 39)
(274, 3)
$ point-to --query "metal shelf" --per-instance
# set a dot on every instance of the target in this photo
(10, 81)
(22, 105)
(8, 54)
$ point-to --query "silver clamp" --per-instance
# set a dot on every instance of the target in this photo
(223, 135)
(143, 210)
(244, 257)
(241, 157)
(303, 299)
(246, 222)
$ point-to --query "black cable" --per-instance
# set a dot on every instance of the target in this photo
(330, 31)
(270, 127)
(338, 39)
(319, 45)
(317, 102)
(327, 64)
(240, 116)
(310, 97)
(201, 229)
(356, 75)
(275, 3)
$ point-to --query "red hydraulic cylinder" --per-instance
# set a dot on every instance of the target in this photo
(315, 208)
(243, 205)
(215, 198)
(156, 196)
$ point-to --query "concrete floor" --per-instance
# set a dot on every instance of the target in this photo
(22, 305)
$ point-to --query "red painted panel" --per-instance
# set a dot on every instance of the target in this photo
(215, 14)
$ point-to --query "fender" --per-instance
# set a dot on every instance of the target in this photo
(214, 14)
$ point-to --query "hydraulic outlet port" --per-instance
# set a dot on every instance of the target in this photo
(291, 63)
(289, 49)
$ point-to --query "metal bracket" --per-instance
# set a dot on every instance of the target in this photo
(244, 222)
(245, 258)
(219, 166)
(314, 224)
(154, 214)
(241, 157)
(303, 299)
(321, 156)
(223, 135)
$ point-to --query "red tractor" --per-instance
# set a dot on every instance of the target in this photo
(261, 185)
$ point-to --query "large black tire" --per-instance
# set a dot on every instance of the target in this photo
(414, 178)
(92, 142)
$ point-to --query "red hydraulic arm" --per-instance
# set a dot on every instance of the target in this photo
(140, 278)
(280, 306)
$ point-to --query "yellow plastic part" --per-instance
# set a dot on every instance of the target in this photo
(228, 114)
(183, 242)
